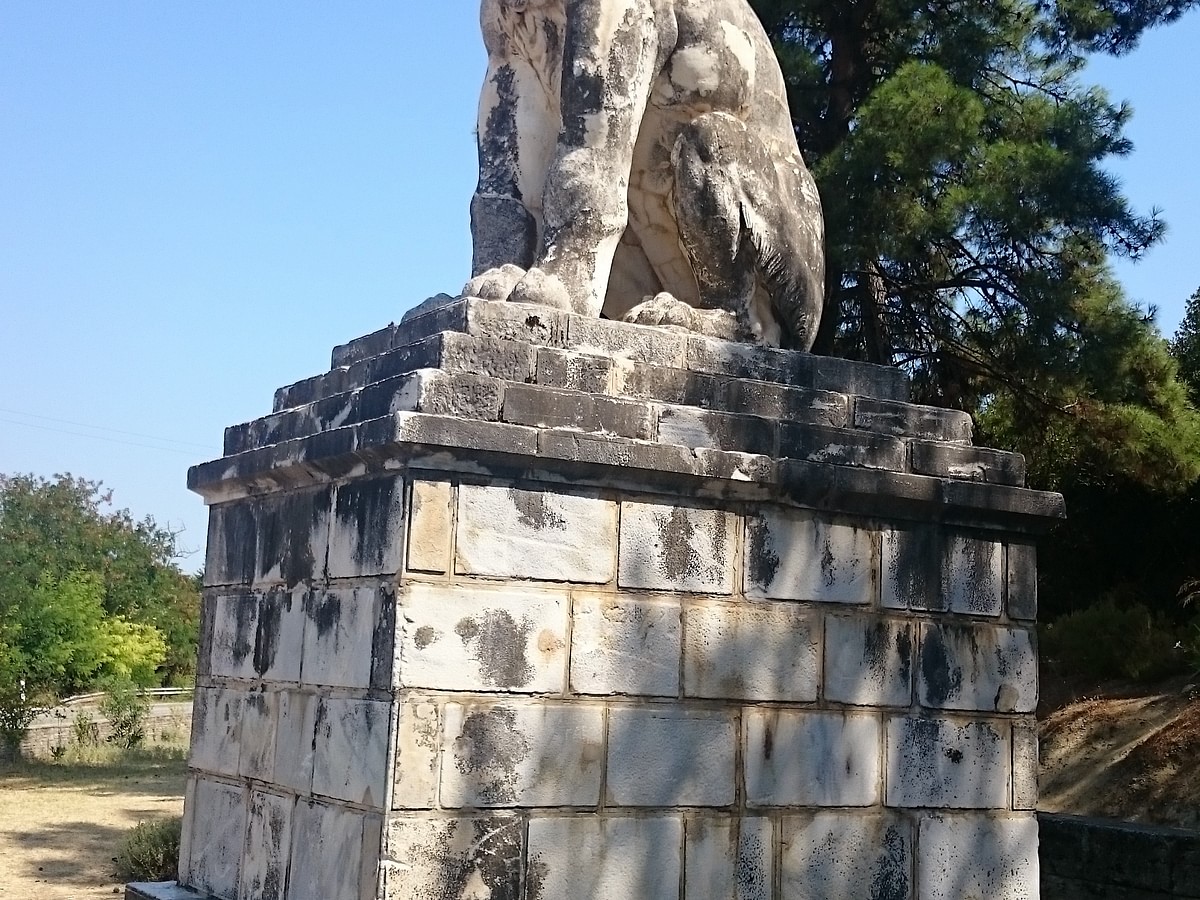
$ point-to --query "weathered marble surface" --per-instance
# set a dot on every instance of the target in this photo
(637, 157)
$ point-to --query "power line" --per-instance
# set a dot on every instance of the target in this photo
(152, 437)
(100, 437)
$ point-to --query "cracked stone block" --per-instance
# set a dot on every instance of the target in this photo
(759, 652)
(335, 853)
(346, 637)
(912, 569)
(216, 730)
(268, 847)
(705, 429)
(1025, 765)
(671, 757)
(624, 646)
(366, 536)
(293, 536)
(257, 635)
(459, 858)
(467, 638)
(431, 529)
(799, 556)
(974, 856)
(350, 751)
(587, 858)
(418, 755)
(869, 661)
(984, 668)
(845, 855)
(217, 831)
(1022, 582)
(256, 753)
(522, 755)
(802, 758)
(947, 764)
(677, 548)
(973, 576)
(732, 859)
(295, 732)
(541, 535)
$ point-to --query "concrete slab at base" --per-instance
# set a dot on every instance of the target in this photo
(161, 890)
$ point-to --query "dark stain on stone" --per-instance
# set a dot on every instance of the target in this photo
(768, 741)
(891, 872)
(764, 562)
(287, 526)
(904, 651)
(976, 577)
(489, 749)
(953, 754)
(266, 635)
(676, 534)
(943, 680)
(325, 610)
(383, 639)
(492, 849)
(239, 541)
(875, 648)
(365, 508)
(534, 511)
(913, 568)
(828, 563)
(497, 642)
(425, 636)
(748, 871)
(244, 614)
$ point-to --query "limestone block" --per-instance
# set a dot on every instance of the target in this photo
(913, 420)
(671, 757)
(418, 754)
(256, 753)
(844, 855)
(592, 857)
(912, 569)
(944, 764)
(1022, 582)
(799, 556)
(334, 853)
(366, 536)
(628, 344)
(985, 668)
(1025, 765)
(801, 758)
(217, 829)
(458, 858)
(842, 447)
(974, 856)
(666, 385)
(216, 730)
(257, 635)
(968, 463)
(869, 661)
(431, 529)
(293, 536)
(345, 637)
(542, 535)
(474, 638)
(545, 407)
(729, 859)
(779, 401)
(232, 544)
(677, 548)
(522, 755)
(295, 732)
(573, 371)
(268, 847)
(757, 652)
(350, 751)
(624, 646)
(973, 575)
(708, 430)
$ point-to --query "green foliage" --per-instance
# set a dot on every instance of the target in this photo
(962, 164)
(1112, 641)
(17, 713)
(88, 594)
(125, 710)
(1185, 346)
(150, 852)
(83, 729)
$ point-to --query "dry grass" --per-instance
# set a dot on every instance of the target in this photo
(62, 823)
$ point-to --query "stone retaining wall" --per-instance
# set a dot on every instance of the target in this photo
(1096, 859)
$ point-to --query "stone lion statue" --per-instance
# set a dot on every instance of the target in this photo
(637, 160)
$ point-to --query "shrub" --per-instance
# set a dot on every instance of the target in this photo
(16, 715)
(125, 711)
(150, 852)
(1111, 641)
(85, 730)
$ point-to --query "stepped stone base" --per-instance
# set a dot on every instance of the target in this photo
(520, 605)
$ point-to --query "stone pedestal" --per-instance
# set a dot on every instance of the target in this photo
(518, 605)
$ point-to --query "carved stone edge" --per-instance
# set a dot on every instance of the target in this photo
(447, 444)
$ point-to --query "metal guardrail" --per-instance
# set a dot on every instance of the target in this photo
(155, 692)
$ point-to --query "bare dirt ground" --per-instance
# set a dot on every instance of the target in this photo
(1134, 756)
(61, 825)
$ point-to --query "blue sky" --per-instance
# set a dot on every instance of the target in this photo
(199, 200)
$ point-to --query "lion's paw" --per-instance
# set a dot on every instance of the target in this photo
(542, 289)
(494, 284)
(663, 309)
